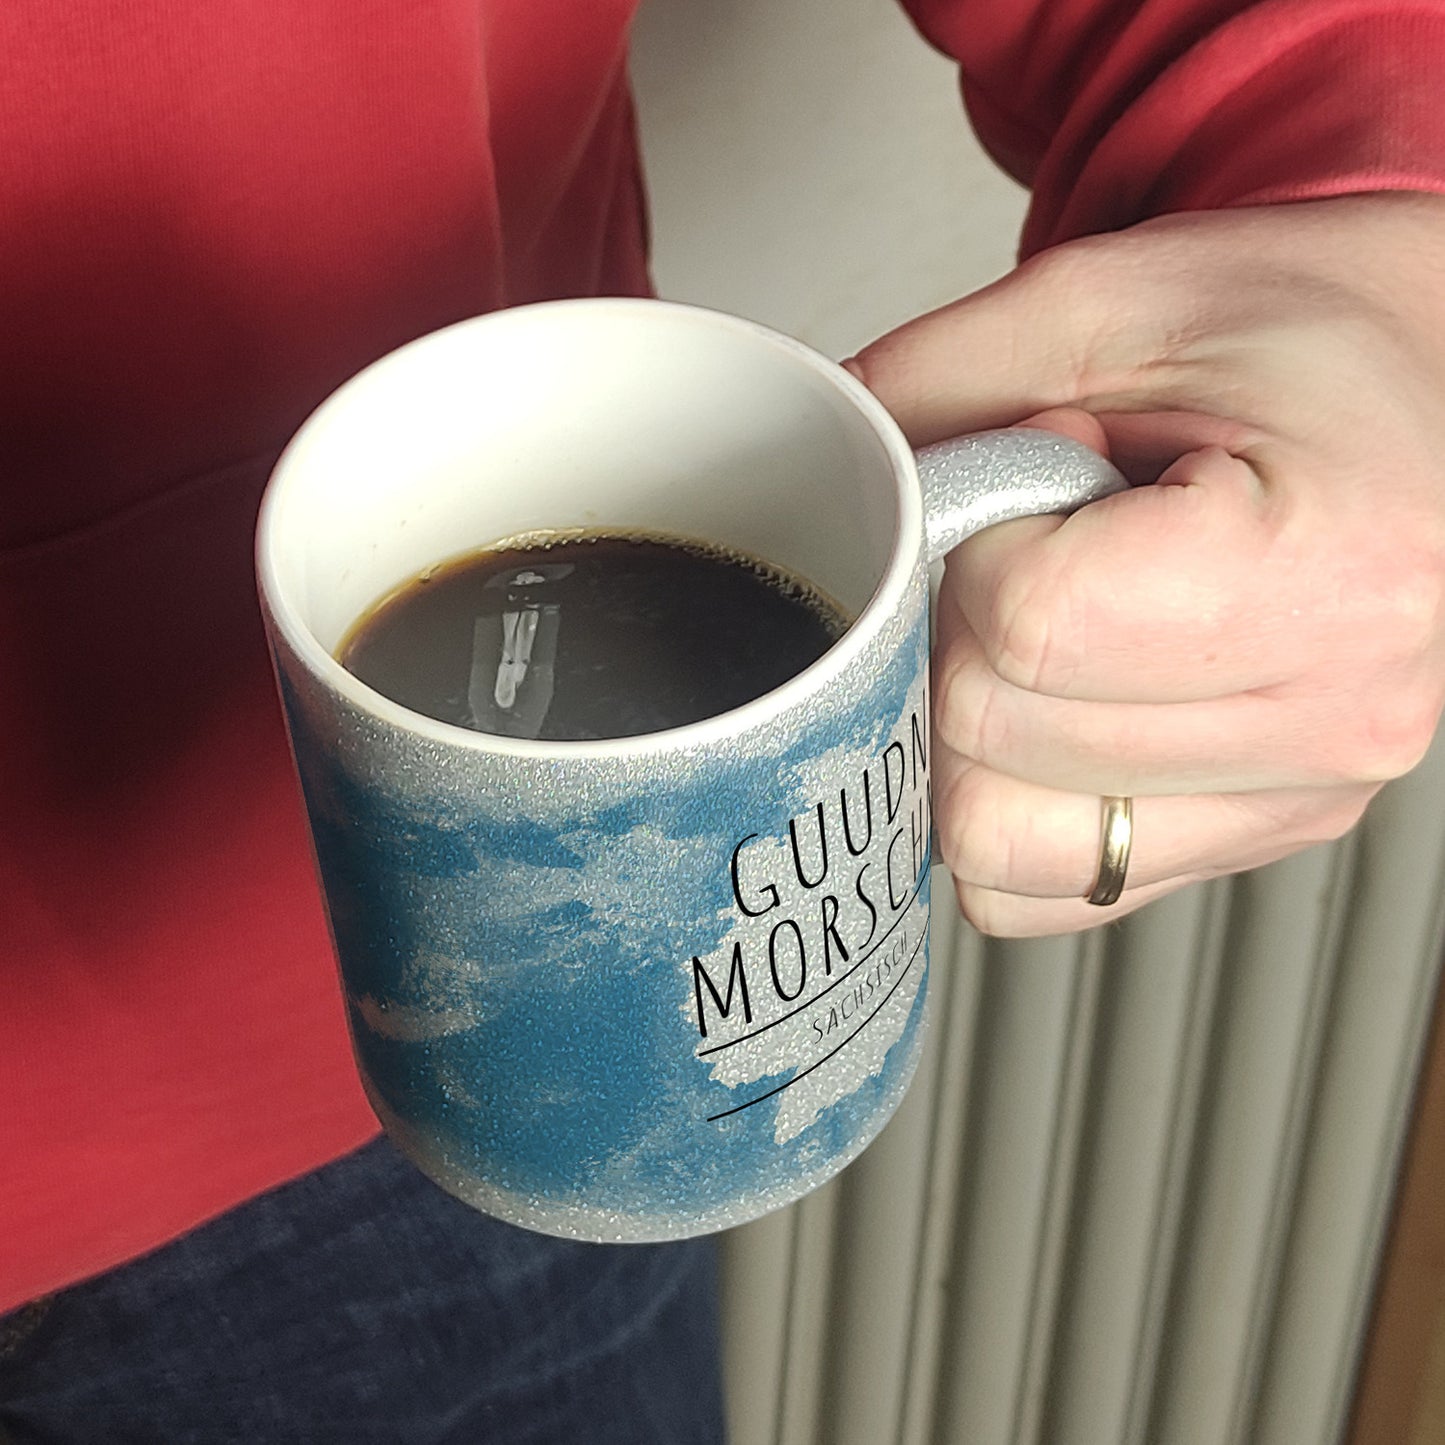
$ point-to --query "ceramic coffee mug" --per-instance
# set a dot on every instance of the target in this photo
(644, 988)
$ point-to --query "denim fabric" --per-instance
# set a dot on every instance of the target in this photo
(362, 1304)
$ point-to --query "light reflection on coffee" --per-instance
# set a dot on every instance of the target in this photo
(587, 637)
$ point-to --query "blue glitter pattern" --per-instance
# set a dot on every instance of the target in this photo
(524, 995)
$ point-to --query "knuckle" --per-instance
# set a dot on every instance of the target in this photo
(1029, 624)
(985, 910)
(1077, 272)
(1413, 603)
(1393, 738)
(949, 688)
(978, 840)
(987, 727)
(966, 716)
(1084, 277)
(1421, 608)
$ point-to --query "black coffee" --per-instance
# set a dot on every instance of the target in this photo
(590, 637)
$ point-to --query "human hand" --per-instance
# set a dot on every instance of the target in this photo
(1254, 644)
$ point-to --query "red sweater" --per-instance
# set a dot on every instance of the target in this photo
(209, 216)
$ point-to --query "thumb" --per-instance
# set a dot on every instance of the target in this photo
(1075, 423)
(1037, 340)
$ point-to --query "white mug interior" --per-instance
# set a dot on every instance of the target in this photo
(606, 415)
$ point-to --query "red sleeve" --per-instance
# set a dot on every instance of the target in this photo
(1116, 110)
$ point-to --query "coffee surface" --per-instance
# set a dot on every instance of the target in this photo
(590, 637)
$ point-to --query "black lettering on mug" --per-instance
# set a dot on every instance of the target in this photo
(787, 925)
(920, 751)
(868, 903)
(857, 849)
(737, 979)
(769, 892)
(822, 851)
(831, 936)
(894, 751)
(920, 833)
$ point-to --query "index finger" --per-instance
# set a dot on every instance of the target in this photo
(1178, 591)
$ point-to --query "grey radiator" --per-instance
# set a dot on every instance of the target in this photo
(1138, 1192)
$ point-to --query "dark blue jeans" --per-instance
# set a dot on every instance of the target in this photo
(362, 1304)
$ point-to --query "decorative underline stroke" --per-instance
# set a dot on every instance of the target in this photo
(737, 1109)
(842, 977)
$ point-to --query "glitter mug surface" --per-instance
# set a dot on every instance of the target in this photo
(644, 988)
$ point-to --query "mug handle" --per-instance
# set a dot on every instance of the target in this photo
(971, 482)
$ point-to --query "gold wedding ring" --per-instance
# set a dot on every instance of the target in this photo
(1116, 837)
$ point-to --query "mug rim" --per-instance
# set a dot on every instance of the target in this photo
(888, 594)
